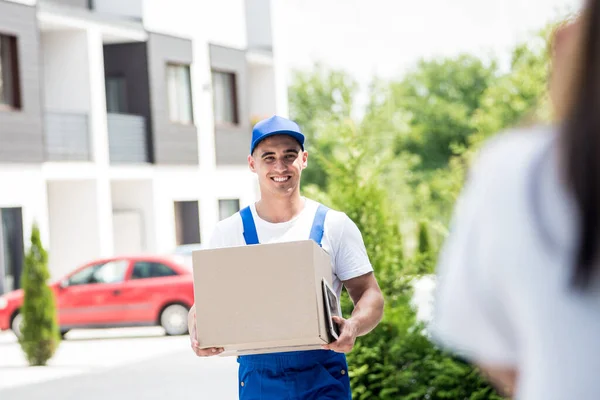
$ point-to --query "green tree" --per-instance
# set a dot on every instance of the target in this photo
(40, 336)
(320, 95)
(432, 106)
(316, 98)
(520, 96)
(355, 186)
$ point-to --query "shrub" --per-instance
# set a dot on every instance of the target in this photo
(40, 336)
(396, 360)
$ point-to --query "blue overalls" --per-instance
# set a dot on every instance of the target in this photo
(297, 375)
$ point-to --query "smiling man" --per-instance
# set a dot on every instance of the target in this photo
(277, 156)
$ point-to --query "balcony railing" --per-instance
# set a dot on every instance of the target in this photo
(127, 138)
(67, 137)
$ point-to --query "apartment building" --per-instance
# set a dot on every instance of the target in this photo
(125, 124)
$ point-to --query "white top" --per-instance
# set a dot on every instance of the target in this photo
(503, 295)
(341, 238)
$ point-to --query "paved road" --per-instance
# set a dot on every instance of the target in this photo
(120, 368)
(132, 364)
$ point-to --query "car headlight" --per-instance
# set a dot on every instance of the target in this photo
(3, 303)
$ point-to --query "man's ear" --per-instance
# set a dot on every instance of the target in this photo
(304, 159)
(251, 164)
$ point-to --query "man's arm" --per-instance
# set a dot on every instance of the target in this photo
(368, 311)
(368, 302)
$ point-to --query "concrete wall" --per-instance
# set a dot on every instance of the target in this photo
(25, 187)
(173, 143)
(74, 229)
(21, 134)
(66, 71)
(136, 196)
(258, 24)
(261, 80)
(232, 142)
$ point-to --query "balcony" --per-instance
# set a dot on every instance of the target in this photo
(82, 4)
(67, 137)
(127, 138)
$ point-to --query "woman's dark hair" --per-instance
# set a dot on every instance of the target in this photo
(581, 146)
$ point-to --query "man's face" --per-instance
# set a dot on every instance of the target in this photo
(278, 161)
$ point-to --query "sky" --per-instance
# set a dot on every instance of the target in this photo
(386, 37)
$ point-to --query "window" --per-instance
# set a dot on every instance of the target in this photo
(10, 94)
(84, 276)
(187, 222)
(144, 270)
(116, 94)
(179, 93)
(224, 97)
(110, 272)
(228, 207)
(11, 248)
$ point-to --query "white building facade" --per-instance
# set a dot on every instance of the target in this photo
(125, 125)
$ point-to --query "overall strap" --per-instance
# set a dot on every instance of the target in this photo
(250, 234)
(318, 226)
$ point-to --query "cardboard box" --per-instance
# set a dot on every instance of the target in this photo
(262, 298)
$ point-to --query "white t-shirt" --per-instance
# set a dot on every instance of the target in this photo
(503, 296)
(341, 238)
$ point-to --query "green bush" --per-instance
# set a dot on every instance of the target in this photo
(40, 334)
(396, 360)
(424, 245)
(424, 259)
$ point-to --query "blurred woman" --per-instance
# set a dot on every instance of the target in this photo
(518, 284)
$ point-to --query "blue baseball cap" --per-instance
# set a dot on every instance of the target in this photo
(275, 125)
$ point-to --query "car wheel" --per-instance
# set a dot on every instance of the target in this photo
(173, 319)
(15, 326)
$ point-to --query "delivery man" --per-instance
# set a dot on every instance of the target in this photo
(278, 157)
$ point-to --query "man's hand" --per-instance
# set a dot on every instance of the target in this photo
(368, 311)
(347, 338)
(212, 351)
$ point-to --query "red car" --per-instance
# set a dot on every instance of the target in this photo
(116, 292)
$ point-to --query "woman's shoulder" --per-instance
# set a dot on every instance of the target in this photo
(514, 149)
(506, 159)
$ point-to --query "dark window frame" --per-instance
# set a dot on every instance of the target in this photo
(233, 95)
(184, 212)
(13, 66)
